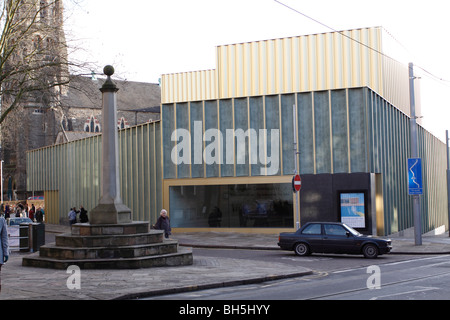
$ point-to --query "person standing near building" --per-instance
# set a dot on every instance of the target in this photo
(39, 215)
(163, 223)
(83, 215)
(31, 212)
(7, 212)
(72, 216)
(4, 246)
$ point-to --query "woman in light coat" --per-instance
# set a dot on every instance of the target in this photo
(4, 247)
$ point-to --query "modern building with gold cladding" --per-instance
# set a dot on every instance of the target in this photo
(221, 158)
(326, 61)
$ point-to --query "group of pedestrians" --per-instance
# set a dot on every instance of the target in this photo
(7, 212)
(163, 222)
(20, 210)
(73, 213)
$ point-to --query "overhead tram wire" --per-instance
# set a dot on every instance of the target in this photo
(427, 73)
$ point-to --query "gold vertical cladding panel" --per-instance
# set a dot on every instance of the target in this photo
(304, 63)
(326, 61)
(52, 214)
(189, 86)
(396, 84)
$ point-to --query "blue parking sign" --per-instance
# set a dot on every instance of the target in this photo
(415, 186)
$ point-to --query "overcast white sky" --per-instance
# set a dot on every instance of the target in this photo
(146, 38)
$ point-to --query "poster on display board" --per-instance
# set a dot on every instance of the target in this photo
(353, 209)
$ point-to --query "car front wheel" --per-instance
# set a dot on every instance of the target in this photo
(370, 251)
(302, 249)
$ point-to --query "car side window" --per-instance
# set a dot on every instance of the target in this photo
(313, 229)
(335, 230)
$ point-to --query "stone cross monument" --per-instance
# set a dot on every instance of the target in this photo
(110, 209)
(111, 240)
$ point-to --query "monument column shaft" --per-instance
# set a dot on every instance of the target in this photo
(110, 209)
(110, 184)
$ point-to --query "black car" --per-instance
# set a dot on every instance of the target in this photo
(332, 237)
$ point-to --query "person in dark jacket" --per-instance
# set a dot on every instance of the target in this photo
(163, 223)
(83, 215)
(39, 215)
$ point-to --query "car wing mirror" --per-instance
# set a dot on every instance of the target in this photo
(348, 234)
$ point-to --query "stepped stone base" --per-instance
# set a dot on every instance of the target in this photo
(110, 246)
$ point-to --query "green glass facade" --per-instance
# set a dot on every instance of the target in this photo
(196, 144)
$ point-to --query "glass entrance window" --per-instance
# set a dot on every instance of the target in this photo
(232, 206)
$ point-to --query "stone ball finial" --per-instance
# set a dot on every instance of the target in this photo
(108, 70)
(109, 85)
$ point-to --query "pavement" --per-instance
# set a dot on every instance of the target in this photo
(27, 283)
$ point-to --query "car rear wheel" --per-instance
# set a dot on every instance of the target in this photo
(302, 249)
(370, 251)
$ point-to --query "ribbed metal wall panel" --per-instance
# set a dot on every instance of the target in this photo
(396, 85)
(69, 174)
(189, 86)
(389, 140)
(434, 156)
(307, 63)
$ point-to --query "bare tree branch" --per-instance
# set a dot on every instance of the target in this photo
(34, 62)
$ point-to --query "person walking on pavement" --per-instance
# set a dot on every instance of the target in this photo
(163, 223)
(4, 246)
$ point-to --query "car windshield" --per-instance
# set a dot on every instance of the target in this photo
(353, 231)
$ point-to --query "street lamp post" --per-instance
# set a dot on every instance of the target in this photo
(414, 154)
(296, 153)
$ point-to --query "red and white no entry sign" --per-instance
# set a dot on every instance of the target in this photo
(296, 183)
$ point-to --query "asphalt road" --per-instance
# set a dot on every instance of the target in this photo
(338, 277)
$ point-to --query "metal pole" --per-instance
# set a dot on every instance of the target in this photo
(448, 179)
(297, 197)
(414, 154)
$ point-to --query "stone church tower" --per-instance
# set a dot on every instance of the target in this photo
(66, 107)
(33, 123)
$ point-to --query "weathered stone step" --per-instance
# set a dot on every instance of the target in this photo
(68, 253)
(79, 241)
(110, 246)
(182, 258)
(86, 229)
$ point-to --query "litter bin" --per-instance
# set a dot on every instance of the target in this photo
(37, 236)
(32, 236)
